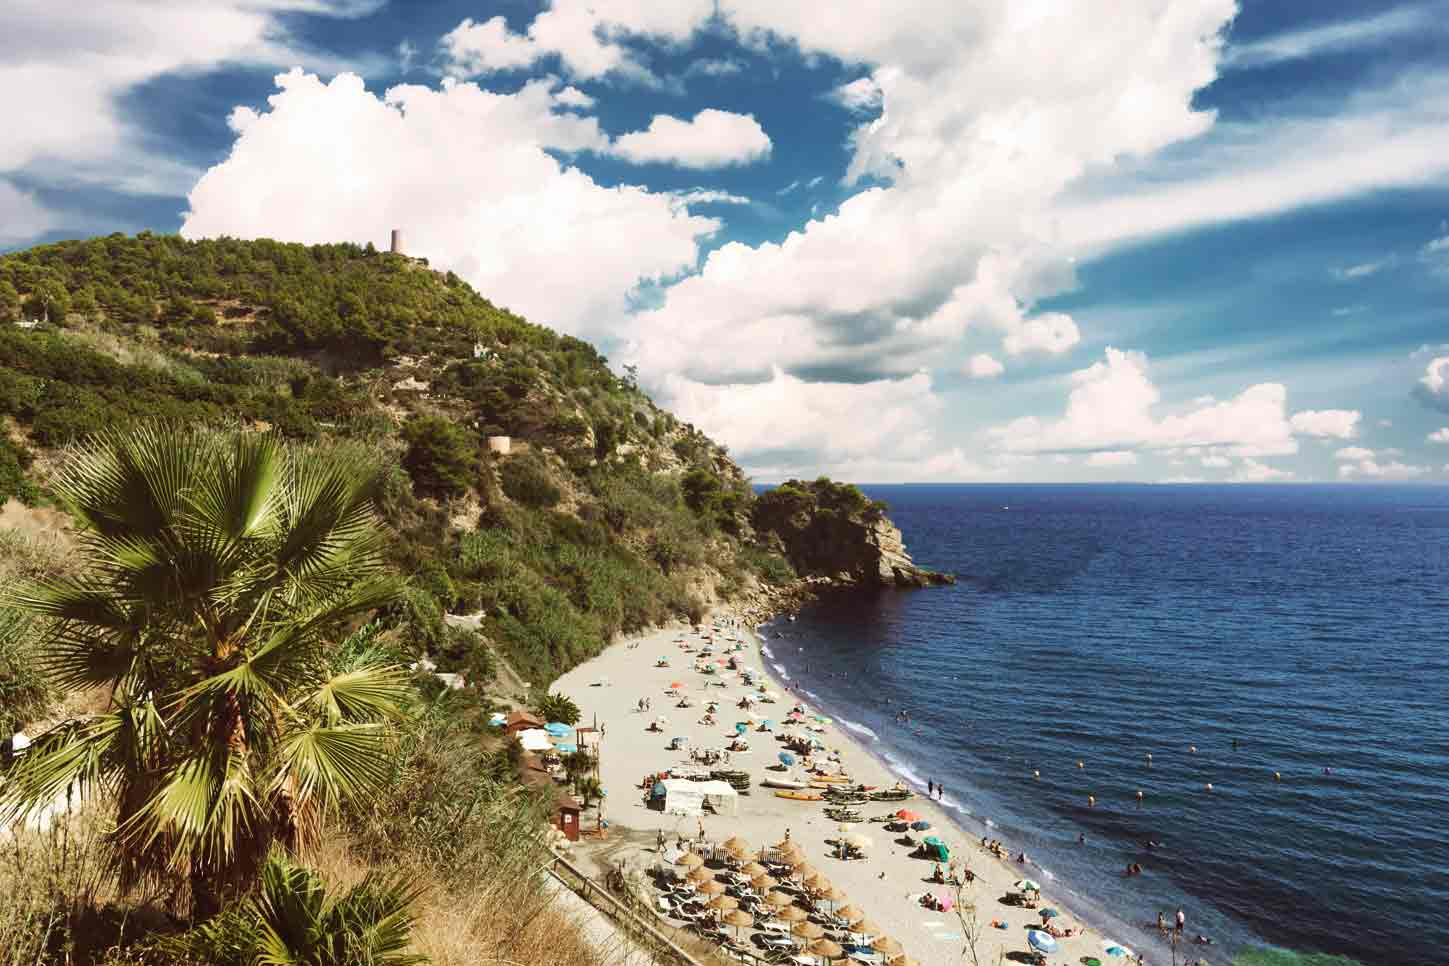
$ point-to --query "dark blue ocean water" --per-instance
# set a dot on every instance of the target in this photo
(1102, 624)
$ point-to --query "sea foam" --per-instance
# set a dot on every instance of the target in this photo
(780, 670)
(860, 729)
(904, 771)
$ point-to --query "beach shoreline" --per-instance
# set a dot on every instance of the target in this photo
(887, 884)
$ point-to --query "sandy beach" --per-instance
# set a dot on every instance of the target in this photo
(887, 884)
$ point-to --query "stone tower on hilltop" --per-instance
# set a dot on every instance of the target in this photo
(397, 241)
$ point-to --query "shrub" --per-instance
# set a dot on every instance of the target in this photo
(442, 457)
(14, 460)
(526, 480)
(555, 707)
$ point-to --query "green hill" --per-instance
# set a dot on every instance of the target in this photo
(606, 514)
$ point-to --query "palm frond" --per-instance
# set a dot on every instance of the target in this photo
(68, 761)
(329, 505)
(329, 763)
(366, 693)
(229, 509)
(179, 809)
(132, 481)
(377, 915)
(289, 908)
(296, 641)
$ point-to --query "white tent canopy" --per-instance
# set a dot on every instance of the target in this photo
(534, 739)
(683, 797)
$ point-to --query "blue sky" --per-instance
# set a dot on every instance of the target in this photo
(920, 241)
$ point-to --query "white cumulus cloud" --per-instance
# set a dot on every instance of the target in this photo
(711, 139)
(861, 96)
(1440, 435)
(1433, 387)
(1252, 471)
(67, 66)
(1112, 403)
(482, 48)
(983, 366)
(1053, 332)
(1354, 454)
(1332, 423)
(467, 175)
(1372, 470)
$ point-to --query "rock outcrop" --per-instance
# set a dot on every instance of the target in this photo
(832, 530)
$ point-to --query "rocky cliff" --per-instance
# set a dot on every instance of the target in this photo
(833, 530)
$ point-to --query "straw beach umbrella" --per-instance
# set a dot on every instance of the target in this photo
(850, 913)
(724, 903)
(699, 875)
(866, 928)
(778, 900)
(904, 961)
(754, 869)
(817, 883)
(792, 914)
(763, 882)
(833, 895)
(807, 930)
(734, 843)
(826, 949)
(689, 860)
(712, 888)
(887, 946)
(739, 920)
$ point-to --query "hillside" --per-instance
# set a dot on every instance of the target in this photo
(604, 514)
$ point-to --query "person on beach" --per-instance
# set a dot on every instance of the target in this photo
(1161, 923)
(1181, 919)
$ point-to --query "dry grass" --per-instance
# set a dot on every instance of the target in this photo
(59, 902)
(496, 919)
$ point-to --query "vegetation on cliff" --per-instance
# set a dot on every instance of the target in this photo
(833, 530)
(607, 515)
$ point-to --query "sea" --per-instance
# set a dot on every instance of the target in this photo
(1287, 645)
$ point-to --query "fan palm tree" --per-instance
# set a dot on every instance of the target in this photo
(588, 787)
(291, 921)
(215, 574)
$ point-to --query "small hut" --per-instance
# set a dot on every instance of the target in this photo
(566, 817)
(521, 721)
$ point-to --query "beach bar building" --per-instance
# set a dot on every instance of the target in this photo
(680, 796)
(521, 721)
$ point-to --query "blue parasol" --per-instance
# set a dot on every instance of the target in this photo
(558, 729)
(921, 826)
(786, 758)
(741, 727)
(568, 748)
(1041, 942)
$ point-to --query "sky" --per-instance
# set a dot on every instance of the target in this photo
(926, 240)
